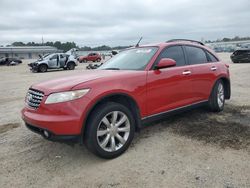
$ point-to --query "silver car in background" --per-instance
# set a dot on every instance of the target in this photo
(66, 61)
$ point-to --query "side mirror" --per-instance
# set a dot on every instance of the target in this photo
(165, 62)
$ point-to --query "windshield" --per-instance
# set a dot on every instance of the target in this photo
(132, 59)
(43, 57)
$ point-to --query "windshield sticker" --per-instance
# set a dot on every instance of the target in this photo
(144, 51)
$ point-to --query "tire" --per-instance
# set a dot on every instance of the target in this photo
(110, 143)
(71, 66)
(43, 68)
(217, 97)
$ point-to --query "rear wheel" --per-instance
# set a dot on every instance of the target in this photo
(110, 130)
(217, 97)
(43, 68)
(71, 66)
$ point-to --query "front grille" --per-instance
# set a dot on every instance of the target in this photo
(34, 98)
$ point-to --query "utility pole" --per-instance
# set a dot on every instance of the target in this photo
(42, 40)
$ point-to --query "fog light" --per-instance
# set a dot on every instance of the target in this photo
(46, 134)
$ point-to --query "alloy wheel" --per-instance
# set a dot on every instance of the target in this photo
(220, 95)
(113, 131)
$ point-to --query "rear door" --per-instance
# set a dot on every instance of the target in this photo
(62, 60)
(171, 87)
(204, 71)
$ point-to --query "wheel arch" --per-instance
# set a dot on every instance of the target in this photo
(43, 64)
(227, 85)
(121, 98)
(71, 62)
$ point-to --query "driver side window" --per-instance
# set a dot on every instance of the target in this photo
(176, 53)
(54, 57)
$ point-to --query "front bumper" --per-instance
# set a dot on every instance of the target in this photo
(51, 136)
(33, 66)
(59, 119)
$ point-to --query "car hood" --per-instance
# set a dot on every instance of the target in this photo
(68, 82)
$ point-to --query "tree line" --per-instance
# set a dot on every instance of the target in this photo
(236, 38)
(65, 46)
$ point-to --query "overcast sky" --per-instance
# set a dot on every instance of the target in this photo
(121, 22)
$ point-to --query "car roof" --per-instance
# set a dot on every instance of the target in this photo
(179, 42)
(197, 44)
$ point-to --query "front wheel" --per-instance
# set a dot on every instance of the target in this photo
(43, 68)
(110, 130)
(217, 97)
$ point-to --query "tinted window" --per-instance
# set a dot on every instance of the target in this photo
(212, 58)
(175, 53)
(196, 55)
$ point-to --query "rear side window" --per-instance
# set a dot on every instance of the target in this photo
(196, 55)
(212, 58)
(175, 53)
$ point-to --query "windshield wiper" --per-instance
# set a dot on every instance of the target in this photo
(111, 69)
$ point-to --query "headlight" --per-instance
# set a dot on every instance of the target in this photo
(66, 96)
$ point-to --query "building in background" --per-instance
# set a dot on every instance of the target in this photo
(26, 52)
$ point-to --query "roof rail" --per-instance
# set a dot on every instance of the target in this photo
(176, 40)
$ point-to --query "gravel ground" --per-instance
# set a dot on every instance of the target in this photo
(193, 149)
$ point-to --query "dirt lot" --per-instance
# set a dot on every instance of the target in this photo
(194, 149)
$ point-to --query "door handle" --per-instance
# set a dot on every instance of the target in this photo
(187, 72)
(213, 68)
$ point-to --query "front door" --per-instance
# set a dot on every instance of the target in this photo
(54, 61)
(171, 87)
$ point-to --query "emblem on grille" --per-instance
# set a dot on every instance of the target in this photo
(29, 97)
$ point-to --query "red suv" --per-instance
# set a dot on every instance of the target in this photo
(104, 107)
(90, 57)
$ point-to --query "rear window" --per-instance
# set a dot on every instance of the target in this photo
(196, 55)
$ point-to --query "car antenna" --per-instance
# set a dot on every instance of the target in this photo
(137, 45)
